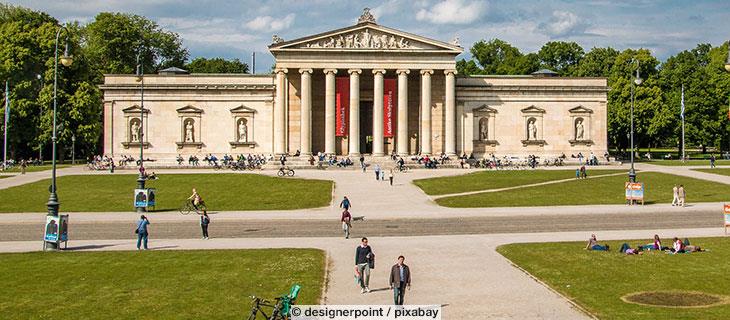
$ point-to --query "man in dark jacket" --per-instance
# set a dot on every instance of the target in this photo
(364, 258)
(400, 277)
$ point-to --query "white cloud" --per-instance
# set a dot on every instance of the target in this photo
(269, 23)
(563, 23)
(453, 12)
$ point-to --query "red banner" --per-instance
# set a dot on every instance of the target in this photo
(390, 97)
(342, 106)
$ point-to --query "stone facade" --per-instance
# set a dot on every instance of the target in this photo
(294, 108)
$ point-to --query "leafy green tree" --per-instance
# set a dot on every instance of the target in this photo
(216, 65)
(597, 63)
(113, 40)
(561, 57)
(467, 68)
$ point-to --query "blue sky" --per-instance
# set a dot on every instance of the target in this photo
(234, 29)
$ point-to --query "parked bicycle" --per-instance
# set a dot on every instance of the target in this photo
(280, 308)
(188, 208)
(285, 171)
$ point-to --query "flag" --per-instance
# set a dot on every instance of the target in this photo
(681, 112)
(7, 104)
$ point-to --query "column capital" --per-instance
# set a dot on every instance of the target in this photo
(351, 71)
(426, 71)
(447, 71)
(328, 71)
(402, 71)
(302, 71)
(282, 70)
(376, 71)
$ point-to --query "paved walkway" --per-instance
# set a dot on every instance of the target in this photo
(463, 273)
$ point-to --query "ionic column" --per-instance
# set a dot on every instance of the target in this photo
(305, 130)
(280, 112)
(450, 110)
(329, 111)
(378, 112)
(354, 138)
(402, 143)
(426, 111)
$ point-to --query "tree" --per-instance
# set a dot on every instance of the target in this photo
(216, 65)
(597, 63)
(467, 68)
(561, 57)
(114, 39)
(497, 57)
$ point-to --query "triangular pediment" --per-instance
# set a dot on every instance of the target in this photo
(365, 37)
(580, 109)
(134, 109)
(242, 109)
(189, 109)
(485, 109)
(533, 109)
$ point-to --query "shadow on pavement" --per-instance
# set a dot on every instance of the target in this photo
(90, 247)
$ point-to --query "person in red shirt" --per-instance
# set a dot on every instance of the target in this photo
(346, 225)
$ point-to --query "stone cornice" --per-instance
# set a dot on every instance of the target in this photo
(188, 87)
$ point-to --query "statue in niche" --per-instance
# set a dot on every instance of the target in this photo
(242, 131)
(579, 130)
(531, 130)
(484, 129)
(189, 135)
(135, 130)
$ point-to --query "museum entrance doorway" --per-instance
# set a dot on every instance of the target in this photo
(366, 127)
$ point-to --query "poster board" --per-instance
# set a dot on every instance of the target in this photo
(56, 230)
(726, 215)
(144, 198)
(634, 192)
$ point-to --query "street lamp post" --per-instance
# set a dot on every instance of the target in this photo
(637, 81)
(140, 77)
(40, 115)
(727, 68)
(73, 149)
(53, 203)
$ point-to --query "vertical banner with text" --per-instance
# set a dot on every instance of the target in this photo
(342, 106)
(389, 100)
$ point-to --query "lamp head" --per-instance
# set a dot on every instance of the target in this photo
(638, 81)
(66, 59)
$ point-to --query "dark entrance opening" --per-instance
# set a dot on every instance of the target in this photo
(366, 127)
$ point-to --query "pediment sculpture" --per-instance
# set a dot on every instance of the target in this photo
(362, 39)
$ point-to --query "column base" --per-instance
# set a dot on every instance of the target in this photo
(354, 154)
(378, 154)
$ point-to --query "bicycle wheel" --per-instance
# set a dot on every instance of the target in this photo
(280, 173)
(185, 208)
(290, 173)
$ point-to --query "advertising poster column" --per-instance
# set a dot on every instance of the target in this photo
(342, 106)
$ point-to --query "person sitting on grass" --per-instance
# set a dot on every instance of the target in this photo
(656, 245)
(593, 244)
(677, 246)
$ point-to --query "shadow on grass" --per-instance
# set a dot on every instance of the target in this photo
(89, 247)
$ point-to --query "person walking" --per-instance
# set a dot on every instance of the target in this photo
(346, 220)
(364, 259)
(682, 195)
(142, 232)
(712, 161)
(362, 162)
(675, 196)
(390, 177)
(204, 222)
(377, 171)
(400, 278)
(345, 203)
(23, 166)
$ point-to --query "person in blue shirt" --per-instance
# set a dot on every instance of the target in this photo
(345, 204)
(142, 232)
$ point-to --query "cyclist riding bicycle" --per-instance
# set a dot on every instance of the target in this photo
(195, 199)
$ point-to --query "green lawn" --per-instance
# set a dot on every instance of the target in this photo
(721, 171)
(603, 190)
(485, 180)
(688, 162)
(99, 193)
(597, 280)
(37, 168)
(201, 284)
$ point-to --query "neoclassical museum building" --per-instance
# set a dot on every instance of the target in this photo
(364, 89)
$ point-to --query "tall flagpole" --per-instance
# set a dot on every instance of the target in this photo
(5, 135)
(681, 115)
